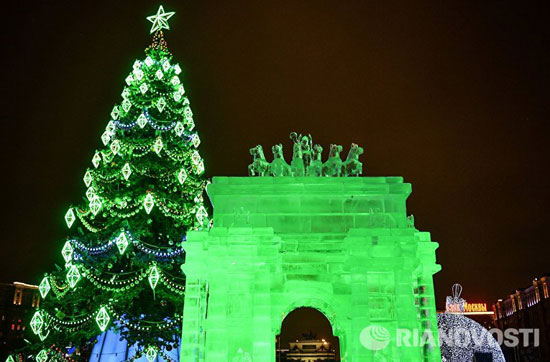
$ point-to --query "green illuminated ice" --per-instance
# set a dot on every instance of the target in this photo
(342, 245)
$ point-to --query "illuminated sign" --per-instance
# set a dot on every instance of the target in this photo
(468, 308)
(455, 304)
(475, 307)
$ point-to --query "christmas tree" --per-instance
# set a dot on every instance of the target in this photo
(126, 237)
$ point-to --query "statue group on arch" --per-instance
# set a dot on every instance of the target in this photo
(306, 160)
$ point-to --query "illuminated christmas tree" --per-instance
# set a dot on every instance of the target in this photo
(125, 245)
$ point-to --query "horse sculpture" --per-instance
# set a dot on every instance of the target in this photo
(259, 165)
(279, 167)
(315, 167)
(306, 160)
(333, 166)
(352, 166)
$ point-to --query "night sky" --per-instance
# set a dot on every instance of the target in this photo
(453, 96)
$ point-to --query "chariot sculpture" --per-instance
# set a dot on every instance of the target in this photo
(306, 160)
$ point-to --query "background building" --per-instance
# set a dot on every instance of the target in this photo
(309, 351)
(527, 308)
(16, 299)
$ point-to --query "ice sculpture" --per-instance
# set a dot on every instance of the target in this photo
(342, 245)
(315, 167)
(259, 166)
(306, 160)
(279, 167)
(352, 166)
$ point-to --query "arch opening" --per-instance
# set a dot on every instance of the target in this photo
(306, 336)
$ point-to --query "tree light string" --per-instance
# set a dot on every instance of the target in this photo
(127, 284)
(133, 209)
(146, 248)
(122, 285)
(78, 322)
(178, 215)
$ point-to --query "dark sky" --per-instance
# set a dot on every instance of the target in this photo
(451, 95)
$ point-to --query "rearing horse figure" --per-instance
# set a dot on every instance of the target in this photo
(259, 165)
(279, 167)
(315, 167)
(352, 166)
(333, 166)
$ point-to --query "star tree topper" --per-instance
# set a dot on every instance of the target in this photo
(160, 20)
